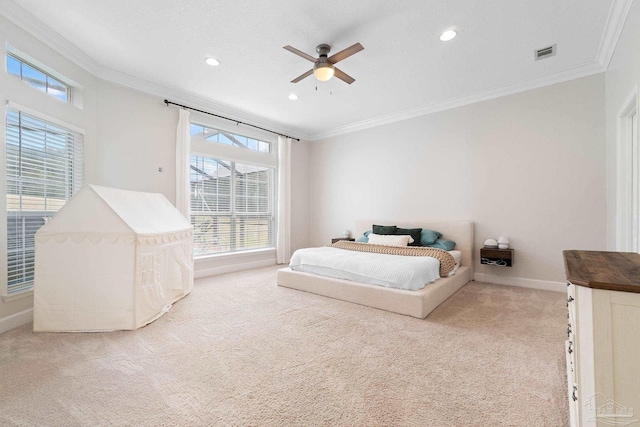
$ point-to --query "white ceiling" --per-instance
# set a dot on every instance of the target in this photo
(404, 70)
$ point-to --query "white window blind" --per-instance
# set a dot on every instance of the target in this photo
(232, 205)
(44, 169)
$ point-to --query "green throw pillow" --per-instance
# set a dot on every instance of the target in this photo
(384, 229)
(415, 234)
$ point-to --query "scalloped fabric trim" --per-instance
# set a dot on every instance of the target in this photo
(115, 238)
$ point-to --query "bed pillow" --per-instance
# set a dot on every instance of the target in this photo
(365, 237)
(429, 237)
(384, 229)
(415, 233)
(447, 245)
(389, 239)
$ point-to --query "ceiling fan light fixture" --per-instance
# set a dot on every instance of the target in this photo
(323, 71)
(323, 67)
(212, 61)
(448, 35)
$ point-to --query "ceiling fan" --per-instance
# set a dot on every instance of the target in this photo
(323, 66)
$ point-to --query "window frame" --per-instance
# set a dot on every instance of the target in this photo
(628, 175)
(48, 75)
(231, 137)
(229, 153)
(75, 159)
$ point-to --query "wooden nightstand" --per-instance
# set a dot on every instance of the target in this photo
(348, 239)
(497, 257)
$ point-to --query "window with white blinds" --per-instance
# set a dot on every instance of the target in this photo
(233, 188)
(232, 205)
(44, 169)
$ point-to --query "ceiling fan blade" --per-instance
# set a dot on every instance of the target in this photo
(343, 76)
(300, 53)
(345, 53)
(303, 76)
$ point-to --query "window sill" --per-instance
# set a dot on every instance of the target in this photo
(17, 296)
(235, 254)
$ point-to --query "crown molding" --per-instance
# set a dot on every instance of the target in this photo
(517, 87)
(615, 23)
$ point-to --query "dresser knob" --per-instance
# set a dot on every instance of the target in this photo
(573, 396)
(570, 350)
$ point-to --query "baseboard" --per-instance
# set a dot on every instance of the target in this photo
(545, 285)
(15, 320)
(230, 268)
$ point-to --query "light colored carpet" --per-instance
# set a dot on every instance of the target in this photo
(242, 351)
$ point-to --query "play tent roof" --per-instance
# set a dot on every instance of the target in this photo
(99, 210)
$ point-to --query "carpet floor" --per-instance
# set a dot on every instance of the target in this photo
(240, 350)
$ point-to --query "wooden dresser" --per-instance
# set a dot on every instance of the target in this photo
(603, 349)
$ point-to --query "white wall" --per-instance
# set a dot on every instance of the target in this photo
(529, 166)
(622, 76)
(136, 134)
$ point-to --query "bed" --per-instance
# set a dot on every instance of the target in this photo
(418, 303)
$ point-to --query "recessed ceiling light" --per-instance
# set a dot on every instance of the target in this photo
(293, 96)
(448, 35)
(212, 61)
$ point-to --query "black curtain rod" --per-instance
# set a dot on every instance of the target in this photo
(166, 101)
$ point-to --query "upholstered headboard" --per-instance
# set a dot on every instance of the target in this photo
(461, 232)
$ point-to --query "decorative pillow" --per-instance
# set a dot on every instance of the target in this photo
(384, 229)
(365, 237)
(389, 239)
(415, 234)
(429, 237)
(447, 245)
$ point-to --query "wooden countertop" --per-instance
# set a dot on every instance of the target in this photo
(615, 271)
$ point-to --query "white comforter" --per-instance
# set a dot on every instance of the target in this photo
(394, 271)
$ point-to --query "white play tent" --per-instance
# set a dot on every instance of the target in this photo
(111, 259)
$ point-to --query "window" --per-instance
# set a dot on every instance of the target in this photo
(628, 176)
(228, 138)
(233, 198)
(43, 171)
(37, 78)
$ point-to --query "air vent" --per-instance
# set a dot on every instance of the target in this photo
(546, 52)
